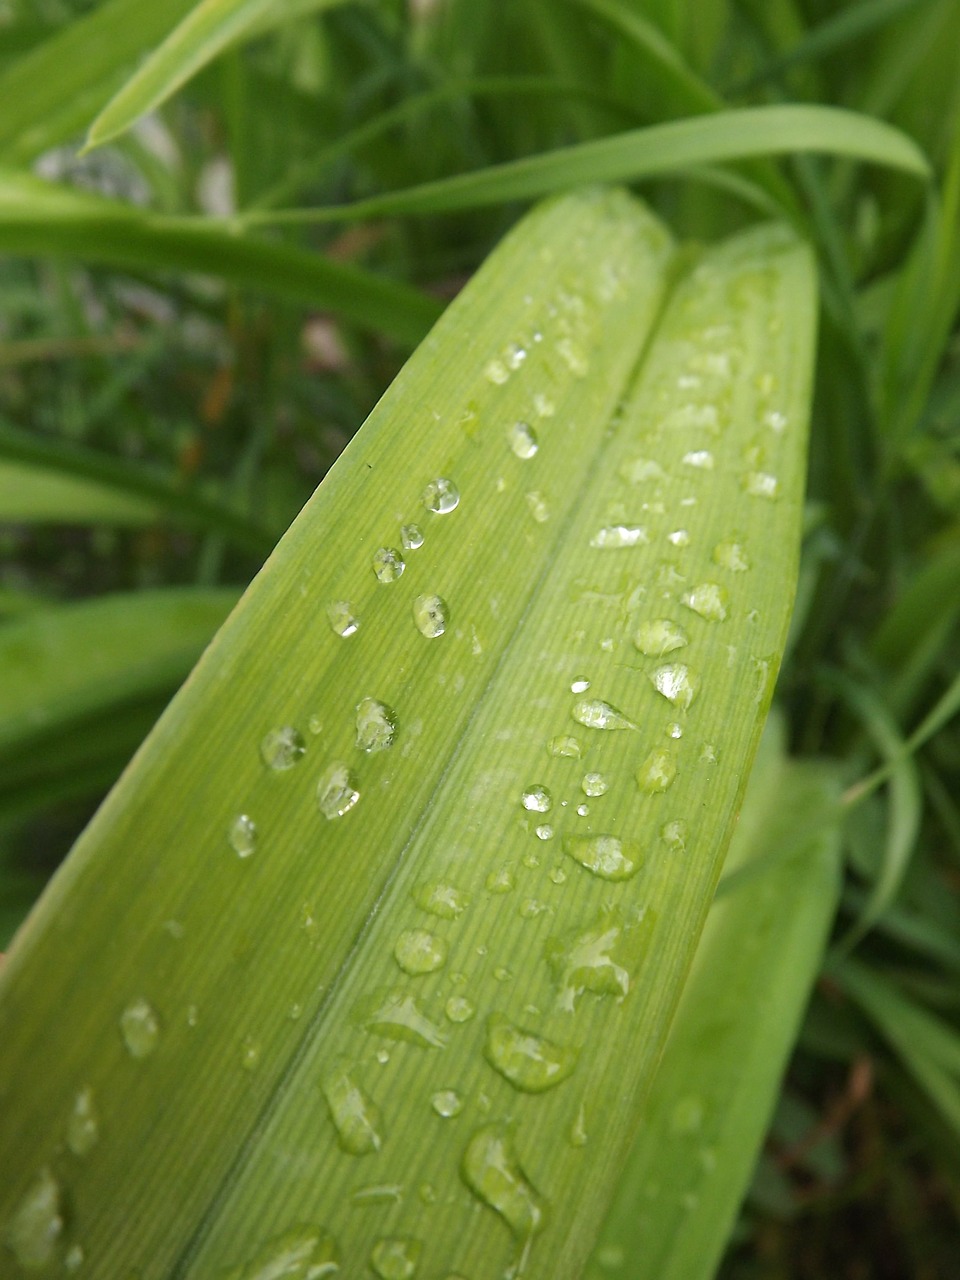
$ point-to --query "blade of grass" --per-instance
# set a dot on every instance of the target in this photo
(35, 495)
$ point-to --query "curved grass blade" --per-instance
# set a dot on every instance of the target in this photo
(34, 495)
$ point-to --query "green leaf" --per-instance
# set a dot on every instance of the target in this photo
(211, 27)
(31, 494)
(409, 875)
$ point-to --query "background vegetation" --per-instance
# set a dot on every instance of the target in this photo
(171, 391)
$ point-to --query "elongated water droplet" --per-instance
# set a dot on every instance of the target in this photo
(677, 683)
(565, 745)
(83, 1127)
(337, 791)
(443, 900)
(243, 835)
(702, 459)
(396, 1257)
(596, 714)
(342, 619)
(580, 685)
(528, 1061)
(411, 537)
(430, 614)
(376, 725)
(708, 599)
(447, 1103)
(460, 1009)
(594, 784)
(523, 440)
(396, 1015)
(581, 961)
(356, 1118)
(440, 497)
(657, 772)
(380, 1193)
(614, 536)
(537, 799)
(608, 857)
(578, 1130)
(729, 554)
(491, 1170)
(35, 1228)
(538, 506)
(140, 1028)
(388, 564)
(281, 749)
(418, 951)
(302, 1253)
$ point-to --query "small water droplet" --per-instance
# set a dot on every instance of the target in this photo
(594, 784)
(565, 746)
(376, 725)
(140, 1028)
(580, 685)
(380, 1193)
(610, 1257)
(581, 961)
(337, 791)
(500, 881)
(523, 440)
(440, 497)
(597, 714)
(640, 470)
(459, 1009)
(515, 355)
(243, 835)
(729, 554)
(295, 1012)
(36, 1226)
(659, 636)
(761, 484)
(677, 683)
(776, 421)
(418, 951)
(439, 899)
(83, 1126)
(355, 1117)
(537, 799)
(396, 1257)
(430, 614)
(558, 875)
(687, 1115)
(573, 356)
(679, 538)
(613, 536)
(674, 730)
(708, 753)
(395, 1014)
(657, 772)
(296, 1254)
(411, 537)
(538, 506)
(74, 1258)
(491, 1170)
(530, 1062)
(388, 564)
(315, 725)
(250, 1054)
(607, 856)
(496, 372)
(702, 459)
(193, 1015)
(578, 1130)
(544, 406)
(544, 831)
(583, 810)
(342, 619)
(281, 749)
(447, 1103)
(708, 599)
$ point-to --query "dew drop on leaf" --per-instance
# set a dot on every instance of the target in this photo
(440, 496)
(337, 791)
(564, 745)
(396, 1257)
(460, 1009)
(607, 856)
(34, 1230)
(411, 537)
(615, 536)
(492, 1171)
(537, 799)
(597, 714)
(523, 440)
(418, 951)
(243, 835)
(729, 554)
(430, 615)
(440, 899)
(529, 1061)
(140, 1029)
(376, 725)
(83, 1126)
(657, 772)
(388, 564)
(342, 619)
(396, 1015)
(593, 784)
(355, 1117)
(281, 749)
(677, 683)
(447, 1103)
(708, 599)
(296, 1254)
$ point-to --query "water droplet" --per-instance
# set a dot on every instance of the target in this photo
(610, 1257)
(496, 372)
(581, 961)
(687, 1115)
(593, 784)
(281, 749)
(341, 618)
(578, 1130)
(34, 1230)
(388, 564)
(729, 554)
(639, 470)
(708, 599)
(443, 900)
(606, 856)
(459, 1009)
(537, 799)
(500, 881)
(411, 537)
(440, 496)
(677, 683)
(74, 1258)
(430, 615)
(379, 1193)
(140, 1028)
(447, 1103)
(699, 458)
(419, 951)
(708, 753)
(775, 420)
(396, 1257)
(544, 406)
(596, 714)
(657, 772)
(674, 730)
(515, 355)
(544, 831)
(376, 725)
(193, 1015)
(315, 725)
(530, 860)
(679, 538)
(580, 685)
(336, 790)
(355, 1117)
(295, 1012)
(302, 1253)
(761, 484)
(659, 636)
(83, 1127)
(573, 356)
(395, 1014)
(530, 908)
(583, 810)
(250, 1054)
(243, 835)
(528, 1061)
(620, 535)
(538, 506)
(491, 1170)
(523, 440)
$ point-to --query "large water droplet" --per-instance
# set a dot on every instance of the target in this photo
(613, 536)
(708, 599)
(523, 440)
(140, 1028)
(491, 1170)
(36, 1226)
(376, 725)
(594, 784)
(528, 1061)
(396, 1257)
(388, 564)
(565, 745)
(83, 1126)
(430, 615)
(302, 1253)
(342, 618)
(581, 961)
(537, 799)
(440, 496)
(677, 683)
(411, 537)
(396, 1015)
(596, 714)
(657, 772)
(447, 1103)
(729, 554)
(281, 749)
(337, 791)
(460, 1009)
(608, 857)
(440, 899)
(355, 1117)
(243, 835)
(418, 951)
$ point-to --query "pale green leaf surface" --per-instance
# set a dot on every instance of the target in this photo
(211, 27)
(716, 1086)
(258, 984)
(31, 494)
